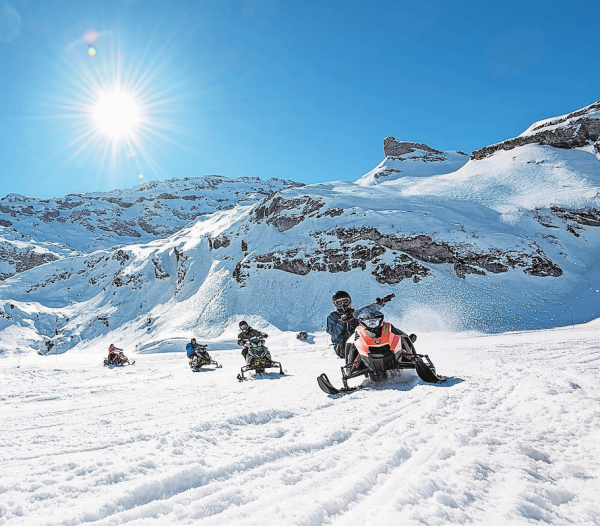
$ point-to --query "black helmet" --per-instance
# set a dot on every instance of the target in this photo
(244, 325)
(193, 339)
(341, 299)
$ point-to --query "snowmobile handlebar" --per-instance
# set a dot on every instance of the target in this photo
(248, 341)
(385, 299)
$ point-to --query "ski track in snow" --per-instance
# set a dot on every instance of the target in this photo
(511, 438)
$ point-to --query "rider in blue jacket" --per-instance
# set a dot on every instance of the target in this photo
(193, 349)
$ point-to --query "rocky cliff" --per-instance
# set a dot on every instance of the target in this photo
(575, 130)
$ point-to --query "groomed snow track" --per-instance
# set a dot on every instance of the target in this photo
(510, 438)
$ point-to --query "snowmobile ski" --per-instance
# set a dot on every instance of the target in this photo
(427, 373)
(259, 374)
(212, 362)
(327, 387)
(111, 365)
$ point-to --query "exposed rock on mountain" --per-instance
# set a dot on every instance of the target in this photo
(19, 257)
(408, 261)
(81, 223)
(575, 130)
(395, 148)
(274, 212)
(412, 159)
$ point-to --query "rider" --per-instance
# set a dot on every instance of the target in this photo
(246, 334)
(113, 355)
(193, 350)
(341, 322)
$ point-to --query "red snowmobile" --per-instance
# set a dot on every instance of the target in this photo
(116, 358)
(377, 348)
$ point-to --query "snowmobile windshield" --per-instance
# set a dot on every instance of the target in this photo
(368, 312)
(371, 323)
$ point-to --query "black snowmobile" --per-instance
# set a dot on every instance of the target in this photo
(375, 350)
(198, 361)
(117, 360)
(258, 358)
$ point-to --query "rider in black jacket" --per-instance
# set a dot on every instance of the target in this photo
(247, 333)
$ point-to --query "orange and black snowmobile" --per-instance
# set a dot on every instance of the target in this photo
(377, 347)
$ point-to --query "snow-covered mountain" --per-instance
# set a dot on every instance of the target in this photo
(506, 241)
(34, 231)
(411, 159)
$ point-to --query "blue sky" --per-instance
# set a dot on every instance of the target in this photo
(276, 88)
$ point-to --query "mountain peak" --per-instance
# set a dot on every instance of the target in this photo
(394, 148)
(411, 159)
(574, 130)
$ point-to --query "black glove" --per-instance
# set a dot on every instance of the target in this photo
(385, 299)
(347, 316)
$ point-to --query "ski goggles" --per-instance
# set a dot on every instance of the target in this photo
(244, 327)
(372, 323)
(342, 302)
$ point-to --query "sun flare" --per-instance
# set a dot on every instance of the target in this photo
(117, 106)
(117, 114)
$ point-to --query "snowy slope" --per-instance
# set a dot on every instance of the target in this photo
(452, 263)
(82, 223)
(511, 438)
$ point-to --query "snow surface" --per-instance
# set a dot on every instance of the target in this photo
(510, 438)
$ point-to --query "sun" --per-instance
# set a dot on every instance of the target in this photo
(116, 106)
(117, 114)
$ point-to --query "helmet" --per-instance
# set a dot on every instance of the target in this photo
(193, 340)
(244, 325)
(112, 345)
(341, 299)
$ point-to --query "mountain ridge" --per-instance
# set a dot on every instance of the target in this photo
(502, 243)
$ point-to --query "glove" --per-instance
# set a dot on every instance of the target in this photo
(385, 299)
(346, 317)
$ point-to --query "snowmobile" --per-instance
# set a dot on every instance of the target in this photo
(118, 360)
(258, 358)
(197, 361)
(378, 354)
